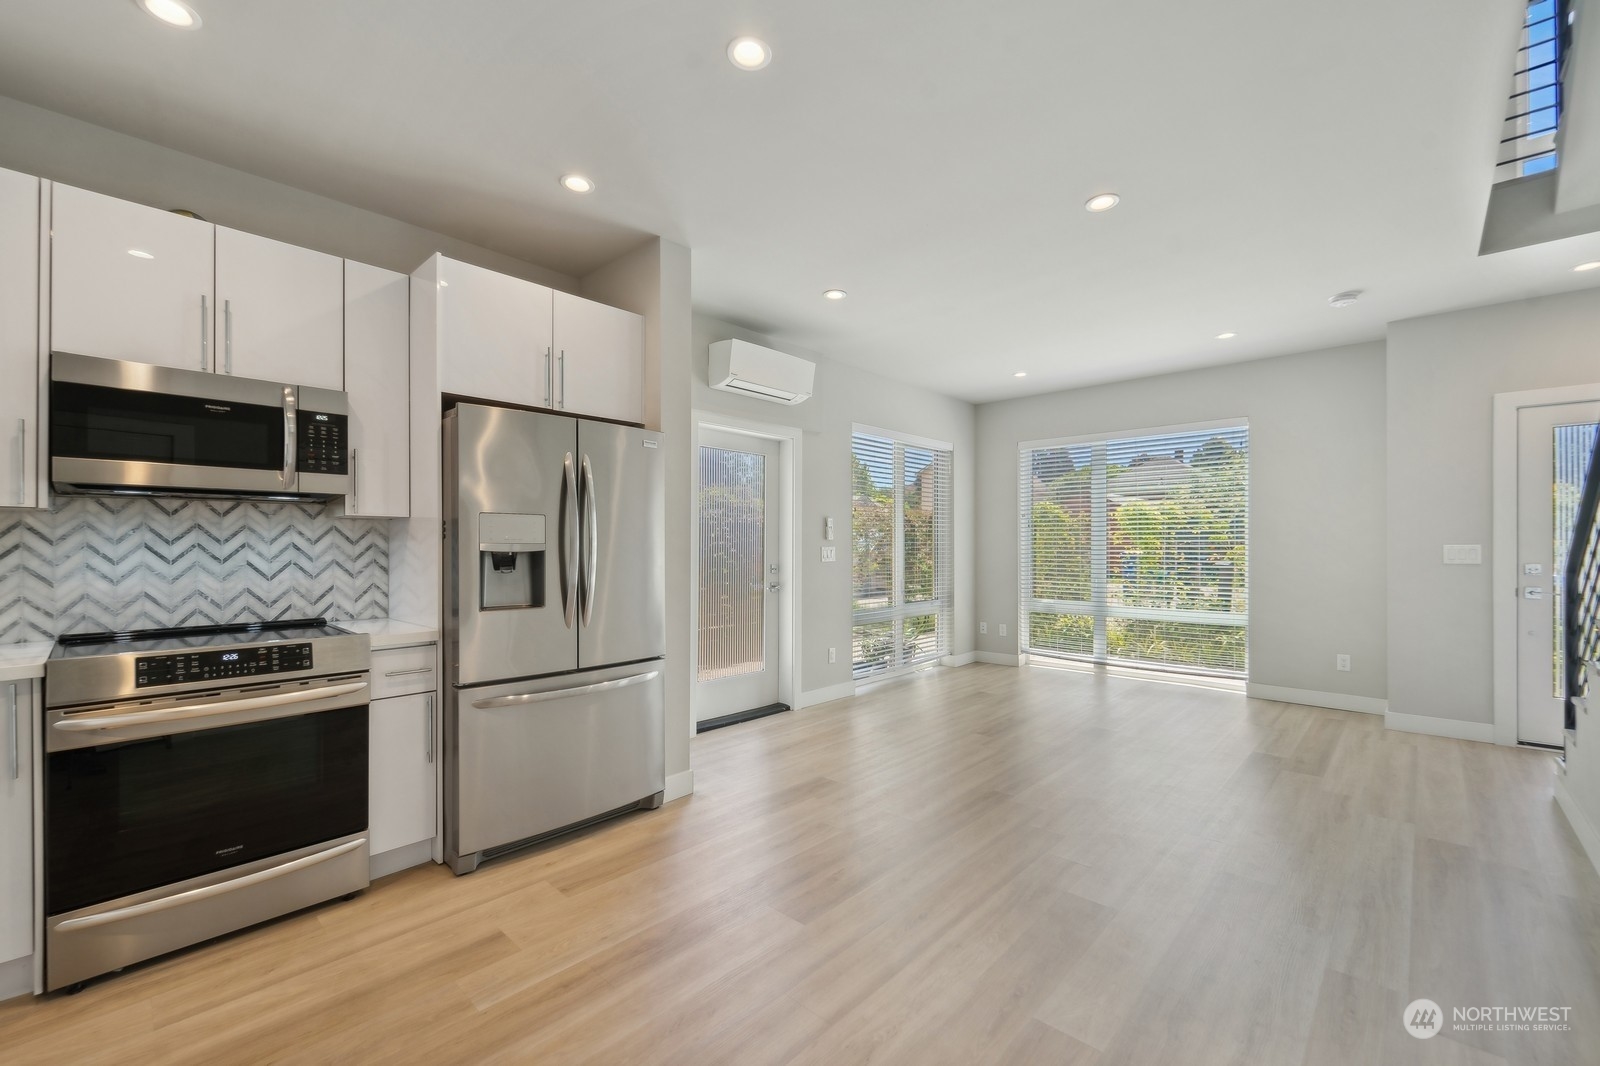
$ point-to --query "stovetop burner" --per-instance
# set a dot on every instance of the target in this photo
(76, 645)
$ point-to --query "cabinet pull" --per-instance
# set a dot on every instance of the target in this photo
(16, 756)
(430, 728)
(355, 480)
(408, 673)
(205, 332)
(22, 462)
(549, 379)
(227, 336)
(563, 402)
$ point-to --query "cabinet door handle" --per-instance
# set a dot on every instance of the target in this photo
(563, 402)
(549, 378)
(11, 728)
(22, 461)
(355, 480)
(205, 332)
(430, 728)
(227, 336)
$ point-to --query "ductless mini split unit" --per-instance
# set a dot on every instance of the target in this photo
(761, 373)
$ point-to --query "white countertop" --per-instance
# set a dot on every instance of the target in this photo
(389, 632)
(19, 662)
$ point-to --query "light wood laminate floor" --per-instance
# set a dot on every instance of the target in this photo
(970, 866)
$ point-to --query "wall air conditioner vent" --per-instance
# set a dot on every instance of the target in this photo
(760, 373)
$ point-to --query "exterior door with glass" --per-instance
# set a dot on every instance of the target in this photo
(1553, 448)
(736, 661)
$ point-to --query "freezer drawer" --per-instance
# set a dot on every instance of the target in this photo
(533, 757)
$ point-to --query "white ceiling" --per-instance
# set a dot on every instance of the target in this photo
(930, 157)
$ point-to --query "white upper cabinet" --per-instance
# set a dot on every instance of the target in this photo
(599, 359)
(494, 336)
(19, 339)
(377, 377)
(129, 282)
(280, 311)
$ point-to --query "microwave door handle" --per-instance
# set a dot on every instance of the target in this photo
(591, 542)
(569, 537)
(93, 721)
(289, 440)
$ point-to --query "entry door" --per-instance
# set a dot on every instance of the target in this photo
(736, 665)
(1553, 448)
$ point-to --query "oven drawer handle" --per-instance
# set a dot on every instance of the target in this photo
(565, 693)
(206, 710)
(408, 673)
(195, 895)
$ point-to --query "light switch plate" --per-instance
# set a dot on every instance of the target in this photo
(830, 554)
(1463, 554)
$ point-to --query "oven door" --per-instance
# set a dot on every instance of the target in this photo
(139, 428)
(139, 796)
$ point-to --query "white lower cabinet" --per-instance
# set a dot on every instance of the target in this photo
(17, 706)
(401, 797)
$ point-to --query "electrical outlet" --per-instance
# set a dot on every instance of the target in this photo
(830, 554)
(1002, 629)
(833, 655)
(983, 627)
(1342, 662)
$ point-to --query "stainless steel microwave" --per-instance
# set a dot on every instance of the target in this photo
(120, 428)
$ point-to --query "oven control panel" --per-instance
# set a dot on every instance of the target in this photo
(321, 448)
(220, 664)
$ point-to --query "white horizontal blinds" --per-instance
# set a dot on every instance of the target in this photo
(733, 498)
(900, 553)
(1135, 548)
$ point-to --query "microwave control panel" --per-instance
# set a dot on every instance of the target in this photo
(220, 664)
(324, 443)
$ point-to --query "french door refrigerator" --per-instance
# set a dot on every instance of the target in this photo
(555, 626)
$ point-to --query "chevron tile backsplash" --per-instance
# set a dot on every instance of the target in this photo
(94, 564)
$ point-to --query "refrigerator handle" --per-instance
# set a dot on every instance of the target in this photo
(590, 542)
(569, 537)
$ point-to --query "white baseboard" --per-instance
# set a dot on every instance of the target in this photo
(827, 695)
(1440, 727)
(16, 977)
(997, 658)
(1339, 701)
(679, 786)
(1588, 835)
(963, 659)
(392, 862)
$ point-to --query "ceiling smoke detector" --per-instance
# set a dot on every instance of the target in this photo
(1344, 299)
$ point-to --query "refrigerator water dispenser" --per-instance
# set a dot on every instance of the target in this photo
(510, 561)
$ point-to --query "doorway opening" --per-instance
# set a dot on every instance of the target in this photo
(1543, 441)
(745, 571)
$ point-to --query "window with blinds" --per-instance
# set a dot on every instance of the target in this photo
(1133, 549)
(899, 552)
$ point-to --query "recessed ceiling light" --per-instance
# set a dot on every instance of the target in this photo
(835, 294)
(1344, 299)
(576, 183)
(1103, 202)
(1588, 266)
(1020, 374)
(172, 12)
(749, 53)
(1226, 336)
(140, 253)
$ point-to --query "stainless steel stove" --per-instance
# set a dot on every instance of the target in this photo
(197, 781)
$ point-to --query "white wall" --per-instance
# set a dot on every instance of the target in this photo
(1316, 501)
(54, 146)
(844, 397)
(1443, 372)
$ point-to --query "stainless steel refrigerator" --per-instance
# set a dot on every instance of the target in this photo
(555, 625)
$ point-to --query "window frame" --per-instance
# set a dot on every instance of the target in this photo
(898, 611)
